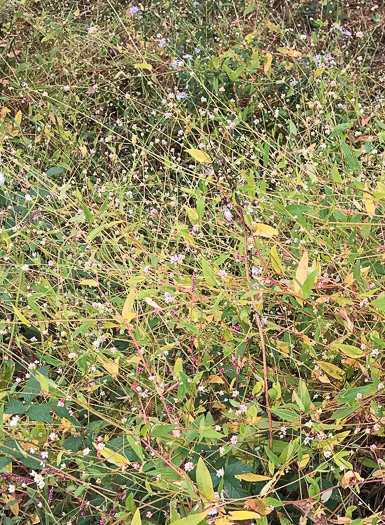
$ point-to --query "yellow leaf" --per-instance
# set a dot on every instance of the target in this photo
(15, 507)
(240, 515)
(304, 461)
(215, 379)
(223, 521)
(112, 456)
(263, 230)
(331, 370)
(112, 367)
(65, 425)
(18, 117)
(199, 155)
(276, 261)
(252, 477)
(144, 65)
(76, 12)
(369, 204)
(134, 138)
(83, 151)
(273, 27)
(88, 282)
(289, 52)
(301, 273)
(127, 313)
(35, 519)
(283, 347)
(136, 520)
(23, 319)
(205, 485)
(318, 72)
(267, 66)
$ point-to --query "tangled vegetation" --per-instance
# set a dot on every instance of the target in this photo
(192, 295)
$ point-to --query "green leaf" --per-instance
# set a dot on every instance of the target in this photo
(208, 273)
(73, 443)
(285, 414)
(193, 519)
(40, 413)
(14, 407)
(308, 284)
(204, 482)
(4, 461)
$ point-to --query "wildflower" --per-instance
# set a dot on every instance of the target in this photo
(92, 30)
(327, 453)
(218, 428)
(86, 451)
(61, 403)
(176, 63)
(359, 34)
(256, 270)
(11, 489)
(188, 466)
(187, 57)
(374, 352)
(220, 473)
(148, 514)
(133, 10)
(14, 421)
(154, 212)
(222, 273)
(373, 447)
(376, 427)
(2, 178)
(380, 386)
(162, 43)
(25, 268)
(168, 298)
(201, 388)
(197, 50)
(222, 450)
(234, 440)
(359, 395)
(100, 446)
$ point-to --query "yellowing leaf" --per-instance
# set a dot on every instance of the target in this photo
(35, 519)
(349, 350)
(88, 282)
(15, 507)
(144, 65)
(127, 313)
(304, 461)
(252, 477)
(267, 66)
(193, 519)
(301, 273)
(331, 370)
(273, 27)
(112, 367)
(369, 204)
(136, 520)
(263, 230)
(276, 261)
(112, 456)
(215, 379)
(83, 150)
(204, 482)
(318, 72)
(134, 138)
(240, 515)
(76, 12)
(23, 319)
(289, 52)
(18, 117)
(199, 155)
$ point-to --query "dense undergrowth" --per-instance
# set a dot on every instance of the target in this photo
(191, 262)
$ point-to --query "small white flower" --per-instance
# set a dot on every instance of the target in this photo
(86, 451)
(220, 473)
(2, 178)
